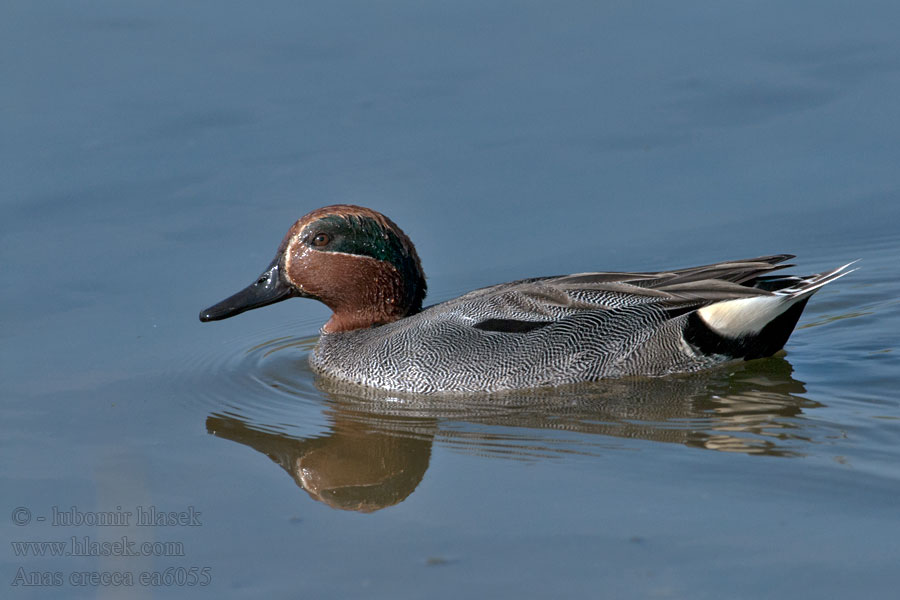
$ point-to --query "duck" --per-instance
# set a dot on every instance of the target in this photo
(530, 333)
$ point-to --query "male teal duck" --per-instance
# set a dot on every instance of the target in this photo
(545, 331)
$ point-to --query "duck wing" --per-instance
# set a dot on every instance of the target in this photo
(524, 305)
(735, 308)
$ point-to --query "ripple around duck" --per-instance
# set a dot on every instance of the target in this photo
(263, 380)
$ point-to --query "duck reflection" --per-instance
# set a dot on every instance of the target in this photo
(379, 445)
(356, 467)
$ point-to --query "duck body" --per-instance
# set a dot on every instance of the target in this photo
(531, 333)
(559, 330)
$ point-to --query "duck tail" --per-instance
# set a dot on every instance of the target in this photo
(757, 326)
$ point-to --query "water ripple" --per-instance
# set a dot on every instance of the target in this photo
(264, 381)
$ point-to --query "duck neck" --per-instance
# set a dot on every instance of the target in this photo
(369, 293)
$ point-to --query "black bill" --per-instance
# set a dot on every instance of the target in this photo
(269, 288)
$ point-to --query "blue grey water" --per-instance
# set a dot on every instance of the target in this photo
(153, 154)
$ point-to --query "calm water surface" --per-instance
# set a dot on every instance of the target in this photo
(153, 156)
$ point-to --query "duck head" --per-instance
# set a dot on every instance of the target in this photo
(353, 259)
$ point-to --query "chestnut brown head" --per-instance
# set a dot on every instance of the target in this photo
(353, 259)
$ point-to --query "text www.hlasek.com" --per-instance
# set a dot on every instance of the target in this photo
(85, 546)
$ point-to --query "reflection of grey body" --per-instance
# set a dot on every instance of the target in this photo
(750, 408)
(379, 445)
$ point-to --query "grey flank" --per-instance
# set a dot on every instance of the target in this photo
(559, 330)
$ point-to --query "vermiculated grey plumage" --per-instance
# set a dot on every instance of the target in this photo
(573, 328)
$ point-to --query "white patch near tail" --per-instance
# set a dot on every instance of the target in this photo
(744, 316)
(748, 316)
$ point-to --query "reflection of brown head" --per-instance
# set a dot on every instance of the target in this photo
(353, 468)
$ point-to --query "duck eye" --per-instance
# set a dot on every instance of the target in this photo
(321, 239)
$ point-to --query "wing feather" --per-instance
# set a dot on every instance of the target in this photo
(676, 292)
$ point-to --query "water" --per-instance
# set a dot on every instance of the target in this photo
(154, 155)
